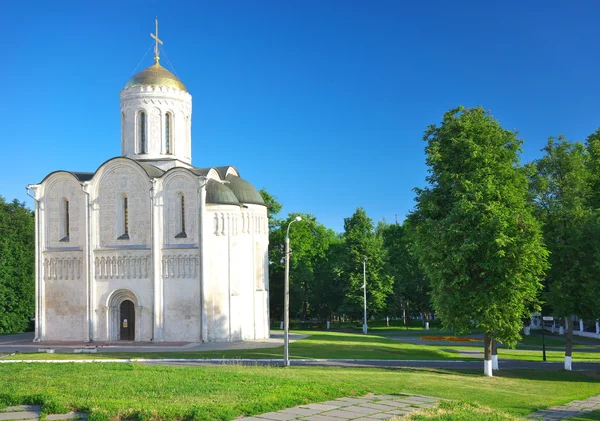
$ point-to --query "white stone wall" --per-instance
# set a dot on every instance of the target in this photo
(129, 270)
(63, 270)
(179, 294)
(156, 101)
(116, 179)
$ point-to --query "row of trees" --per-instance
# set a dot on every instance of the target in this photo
(326, 273)
(17, 257)
(489, 242)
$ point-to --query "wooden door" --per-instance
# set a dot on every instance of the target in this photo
(127, 321)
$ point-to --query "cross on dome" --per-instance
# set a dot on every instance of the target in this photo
(157, 41)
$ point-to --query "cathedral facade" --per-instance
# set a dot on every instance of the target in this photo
(149, 247)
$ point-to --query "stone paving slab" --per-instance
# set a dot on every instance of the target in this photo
(22, 408)
(571, 409)
(364, 408)
(19, 415)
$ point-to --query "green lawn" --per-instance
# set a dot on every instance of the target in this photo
(346, 346)
(138, 391)
(460, 411)
(591, 416)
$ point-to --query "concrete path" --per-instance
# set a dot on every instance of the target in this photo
(568, 410)
(460, 365)
(366, 408)
(23, 342)
(32, 412)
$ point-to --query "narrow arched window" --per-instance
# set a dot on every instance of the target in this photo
(142, 141)
(181, 217)
(64, 220)
(168, 131)
(124, 218)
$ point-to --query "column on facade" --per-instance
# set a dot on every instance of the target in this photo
(156, 246)
(203, 250)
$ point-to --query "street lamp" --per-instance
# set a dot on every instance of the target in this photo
(286, 303)
(364, 288)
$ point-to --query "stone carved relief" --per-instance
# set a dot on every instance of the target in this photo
(173, 187)
(226, 223)
(254, 223)
(64, 188)
(116, 182)
(62, 268)
(117, 266)
(155, 125)
(179, 266)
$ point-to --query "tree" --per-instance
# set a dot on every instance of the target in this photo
(361, 242)
(310, 241)
(273, 207)
(411, 285)
(476, 236)
(561, 186)
(17, 260)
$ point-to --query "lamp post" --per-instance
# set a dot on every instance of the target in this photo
(364, 288)
(286, 300)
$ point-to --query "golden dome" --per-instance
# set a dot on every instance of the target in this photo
(155, 75)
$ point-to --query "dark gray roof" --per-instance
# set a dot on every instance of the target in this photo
(83, 176)
(200, 171)
(219, 193)
(235, 191)
(151, 170)
(244, 191)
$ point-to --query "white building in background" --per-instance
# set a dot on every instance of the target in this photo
(149, 247)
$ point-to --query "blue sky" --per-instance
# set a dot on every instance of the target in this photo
(323, 103)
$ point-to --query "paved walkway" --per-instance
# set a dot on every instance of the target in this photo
(32, 412)
(23, 342)
(366, 408)
(568, 410)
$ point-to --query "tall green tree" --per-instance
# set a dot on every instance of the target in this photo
(561, 186)
(411, 285)
(476, 236)
(362, 242)
(273, 208)
(17, 260)
(309, 241)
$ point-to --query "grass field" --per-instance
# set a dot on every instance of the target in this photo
(138, 391)
(460, 411)
(348, 346)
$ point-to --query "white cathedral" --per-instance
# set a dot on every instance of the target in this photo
(149, 247)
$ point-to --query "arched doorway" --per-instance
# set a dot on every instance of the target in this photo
(127, 321)
(124, 321)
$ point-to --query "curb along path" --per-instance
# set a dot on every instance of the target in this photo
(567, 410)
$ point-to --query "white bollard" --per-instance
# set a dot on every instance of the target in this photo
(597, 328)
(553, 325)
(426, 325)
(387, 321)
(281, 326)
(495, 365)
(527, 330)
(581, 325)
(561, 330)
(328, 324)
